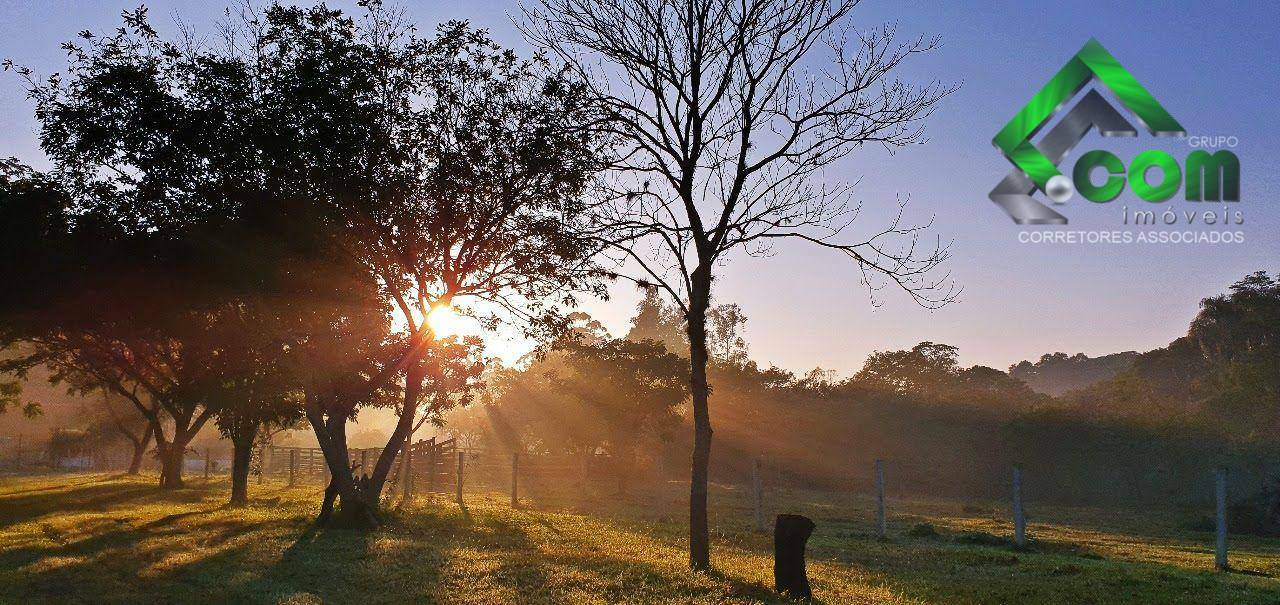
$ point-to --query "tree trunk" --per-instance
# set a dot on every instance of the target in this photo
(172, 457)
(139, 451)
(790, 534)
(400, 436)
(699, 533)
(173, 453)
(344, 494)
(241, 459)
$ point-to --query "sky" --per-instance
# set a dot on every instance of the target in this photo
(1212, 65)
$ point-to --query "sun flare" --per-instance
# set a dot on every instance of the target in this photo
(444, 321)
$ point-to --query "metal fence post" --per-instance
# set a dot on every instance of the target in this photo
(515, 479)
(1019, 519)
(881, 524)
(757, 494)
(1220, 547)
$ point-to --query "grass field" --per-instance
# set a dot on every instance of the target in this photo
(99, 538)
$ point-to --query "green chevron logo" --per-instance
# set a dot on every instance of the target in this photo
(1036, 164)
(1093, 61)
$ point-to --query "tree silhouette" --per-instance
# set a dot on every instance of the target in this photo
(722, 128)
(75, 307)
(455, 172)
(172, 186)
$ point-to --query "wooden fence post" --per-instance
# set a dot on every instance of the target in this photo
(293, 467)
(262, 463)
(207, 463)
(757, 494)
(515, 479)
(461, 465)
(408, 467)
(399, 472)
(1220, 548)
(431, 474)
(1019, 519)
(882, 528)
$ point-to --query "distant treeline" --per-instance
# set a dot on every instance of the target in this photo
(1058, 373)
(1144, 428)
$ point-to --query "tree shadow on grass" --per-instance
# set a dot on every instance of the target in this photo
(345, 566)
(113, 562)
(552, 569)
(540, 519)
(61, 486)
(420, 556)
(28, 507)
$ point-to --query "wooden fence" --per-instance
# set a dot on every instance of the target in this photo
(429, 464)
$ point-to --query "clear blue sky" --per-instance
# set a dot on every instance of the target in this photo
(1212, 65)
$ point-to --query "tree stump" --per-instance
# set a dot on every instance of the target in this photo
(790, 535)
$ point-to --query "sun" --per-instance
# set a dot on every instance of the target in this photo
(444, 321)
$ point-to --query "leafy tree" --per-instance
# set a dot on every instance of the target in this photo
(1223, 372)
(115, 418)
(719, 130)
(32, 211)
(11, 397)
(663, 323)
(930, 372)
(585, 392)
(631, 388)
(725, 342)
(74, 307)
(456, 172)
(927, 370)
(991, 387)
(254, 398)
(658, 321)
(169, 147)
(1238, 334)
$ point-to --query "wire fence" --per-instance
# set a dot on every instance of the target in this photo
(433, 468)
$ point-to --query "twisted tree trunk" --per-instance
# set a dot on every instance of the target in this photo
(346, 500)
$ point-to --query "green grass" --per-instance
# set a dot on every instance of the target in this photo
(97, 538)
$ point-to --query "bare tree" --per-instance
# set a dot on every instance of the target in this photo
(133, 427)
(726, 112)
